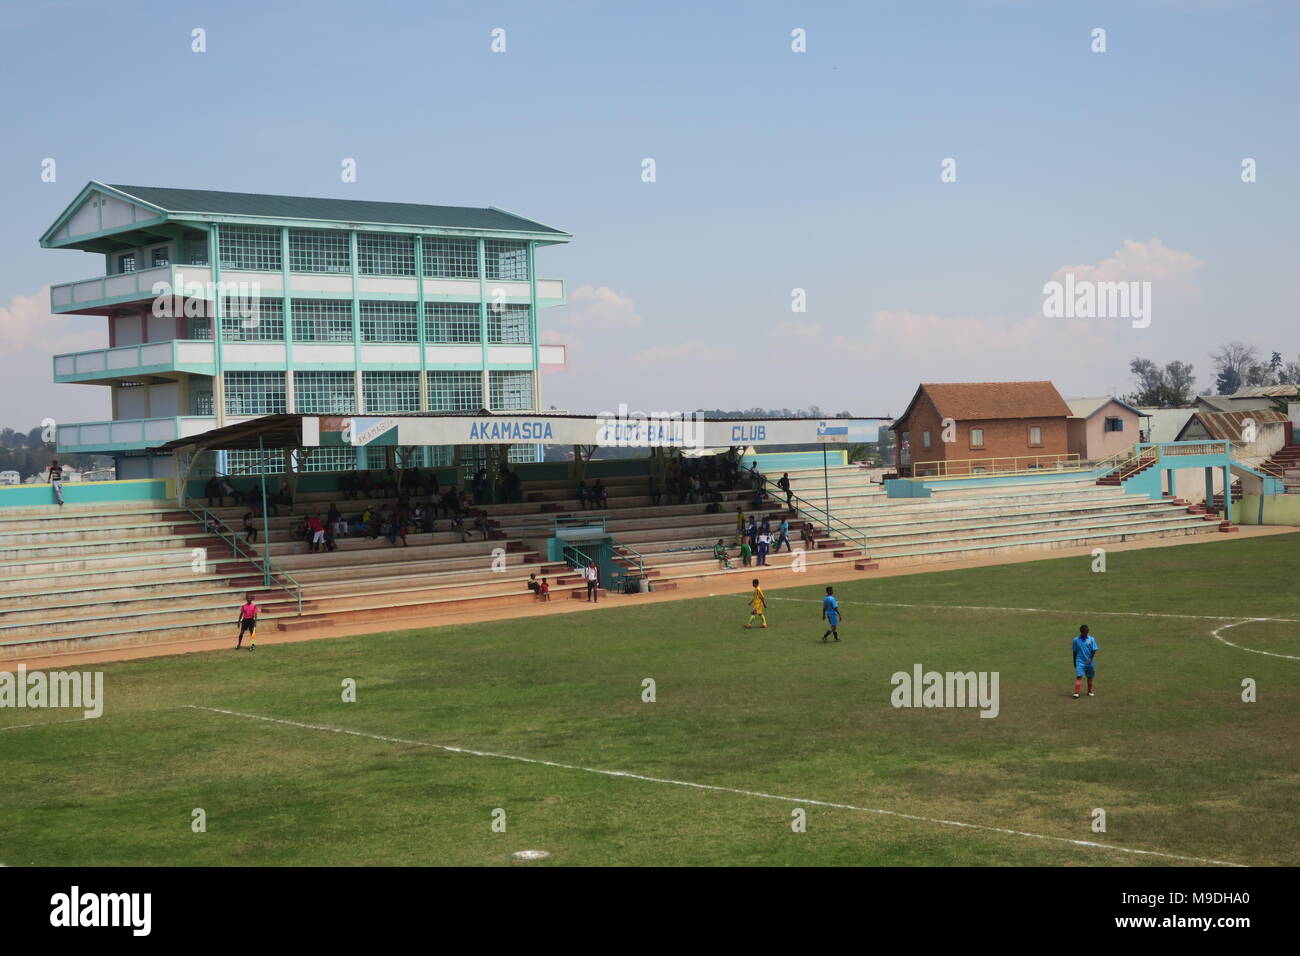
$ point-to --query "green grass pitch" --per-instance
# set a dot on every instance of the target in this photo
(1168, 749)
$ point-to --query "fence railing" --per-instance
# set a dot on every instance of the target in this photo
(1010, 465)
(834, 525)
(212, 524)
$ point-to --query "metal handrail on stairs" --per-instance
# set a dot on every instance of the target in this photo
(231, 537)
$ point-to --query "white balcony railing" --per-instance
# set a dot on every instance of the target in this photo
(106, 363)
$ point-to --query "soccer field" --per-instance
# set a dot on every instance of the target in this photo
(745, 728)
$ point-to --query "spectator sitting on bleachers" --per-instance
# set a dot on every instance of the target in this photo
(229, 489)
(348, 484)
(364, 485)
(337, 523)
(655, 494)
(599, 496)
(584, 494)
(458, 524)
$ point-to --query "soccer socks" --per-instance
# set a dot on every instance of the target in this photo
(1089, 685)
(1078, 683)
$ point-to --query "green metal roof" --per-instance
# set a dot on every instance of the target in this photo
(215, 202)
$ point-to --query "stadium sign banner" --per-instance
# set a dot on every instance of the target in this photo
(635, 430)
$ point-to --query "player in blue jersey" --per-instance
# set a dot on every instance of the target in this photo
(831, 614)
(1083, 650)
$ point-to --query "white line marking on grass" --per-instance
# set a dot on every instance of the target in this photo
(1252, 620)
(714, 788)
(1046, 610)
(47, 723)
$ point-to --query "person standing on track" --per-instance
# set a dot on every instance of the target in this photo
(592, 577)
(248, 623)
(1083, 650)
(831, 615)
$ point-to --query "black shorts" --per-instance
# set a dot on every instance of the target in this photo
(247, 625)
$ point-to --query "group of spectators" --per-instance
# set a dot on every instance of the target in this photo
(756, 541)
(391, 522)
(595, 496)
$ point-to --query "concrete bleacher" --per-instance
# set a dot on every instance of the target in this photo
(119, 574)
(967, 519)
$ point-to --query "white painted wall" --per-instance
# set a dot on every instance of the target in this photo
(85, 219)
(126, 329)
(130, 402)
(117, 212)
(165, 400)
(161, 328)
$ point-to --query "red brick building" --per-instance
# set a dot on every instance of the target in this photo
(1022, 422)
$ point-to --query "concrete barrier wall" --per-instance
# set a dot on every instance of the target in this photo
(1267, 509)
(86, 492)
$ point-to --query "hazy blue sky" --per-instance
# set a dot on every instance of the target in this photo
(776, 170)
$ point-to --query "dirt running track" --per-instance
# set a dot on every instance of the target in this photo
(736, 582)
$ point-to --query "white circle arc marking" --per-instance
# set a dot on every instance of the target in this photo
(1250, 620)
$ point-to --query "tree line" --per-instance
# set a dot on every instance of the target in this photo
(25, 453)
(1236, 366)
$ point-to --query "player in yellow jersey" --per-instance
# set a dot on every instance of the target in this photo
(757, 606)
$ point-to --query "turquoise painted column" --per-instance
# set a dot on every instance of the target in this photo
(359, 451)
(286, 308)
(1227, 492)
(421, 332)
(532, 336)
(218, 344)
(483, 326)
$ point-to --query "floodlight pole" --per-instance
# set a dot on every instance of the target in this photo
(266, 521)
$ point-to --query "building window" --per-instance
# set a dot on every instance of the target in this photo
(506, 260)
(201, 402)
(455, 391)
(450, 258)
(126, 262)
(161, 257)
(254, 393)
(1114, 424)
(451, 322)
(250, 247)
(925, 439)
(510, 391)
(327, 459)
(322, 320)
(252, 319)
(255, 461)
(1035, 435)
(319, 250)
(324, 393)
(508, 324)
(200, 327)
(194, 249)
(977, 438)
(385, 254)
(389, 320)
(390, 392)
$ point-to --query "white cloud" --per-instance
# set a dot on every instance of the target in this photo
(30, 336)
(593, 308)
(1142, 262)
